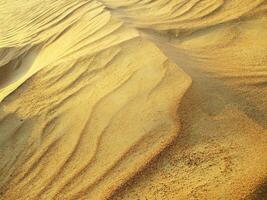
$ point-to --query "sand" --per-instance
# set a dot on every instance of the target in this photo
(121, 100)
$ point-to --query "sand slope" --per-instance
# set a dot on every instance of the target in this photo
(89, 94)
(90, 109)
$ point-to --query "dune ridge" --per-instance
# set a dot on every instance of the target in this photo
(90, 89)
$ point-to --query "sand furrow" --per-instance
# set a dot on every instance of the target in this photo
(89, 92)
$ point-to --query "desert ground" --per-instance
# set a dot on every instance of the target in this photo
(133, 99)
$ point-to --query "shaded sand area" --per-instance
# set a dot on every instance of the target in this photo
(136, 99)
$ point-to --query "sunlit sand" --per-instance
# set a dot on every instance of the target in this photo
(133, 99)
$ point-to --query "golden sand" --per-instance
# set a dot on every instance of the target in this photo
(133, 99)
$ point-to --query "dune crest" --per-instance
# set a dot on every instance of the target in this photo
(90, 89)
(92, 104)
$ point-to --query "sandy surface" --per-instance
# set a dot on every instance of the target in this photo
(136, 99)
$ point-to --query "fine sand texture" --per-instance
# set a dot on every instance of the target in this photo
(133, 99)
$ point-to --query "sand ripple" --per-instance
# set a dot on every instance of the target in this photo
(90, 89)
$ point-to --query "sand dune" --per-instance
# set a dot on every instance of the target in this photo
(107, 99)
